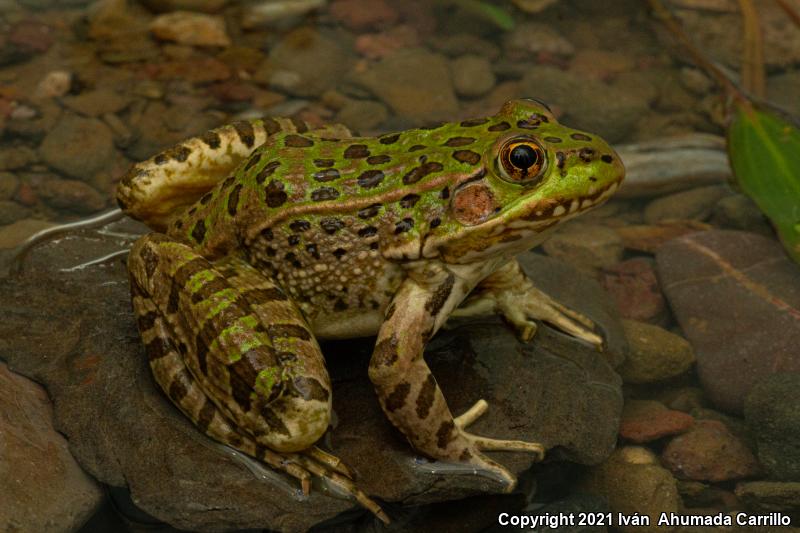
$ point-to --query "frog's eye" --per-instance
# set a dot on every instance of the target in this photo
(521, 161)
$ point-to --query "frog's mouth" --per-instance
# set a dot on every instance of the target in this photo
(554, 210)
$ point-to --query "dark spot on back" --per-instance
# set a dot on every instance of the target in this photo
(553, 139)
(403, 226)
(440, 296)
(426, 396)
(378, 159)
(206, 198)
(298, 141)
(245, 132)
(389, 139)
(367, 231)
(459, 141)
(474, 122)
(445, 434)
(299, 125)
(299, 226)
(323, 163)
(417, 147)
(275, 195)
(271, 126)
(233, 200)
(370, 178)
(331, 225)
(369, 211)
(212, 139)
(580, 137)
(467, 156)
(267, 171)
(560, 159)
(199, 231)
(409, 200)
(356, 151)
(417, 173)
(324, 193)
(397, 398)
(339, 253)
(329, 174)
(605, 158)
(500, 126)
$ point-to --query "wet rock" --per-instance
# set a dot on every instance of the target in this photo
(772, 411)
(8, 185)
(649, 239)
(269, 12)
(709, 452)
(195, 29)
(654, 353)
(14, 234)
(780, 89)
(197, 70)
(633, 482)
(588, 246)
(10, 212)
(362, 115)
(378, 45)
(55, 83)
(43, 487)
(316, 61)
(601, 64)
(414, 83)
(160, 127)
(14, 157)
(78, 146)
(770, 496)
(472, 75)
(97, 103)
(694, 204)
(363, 14)
(534, 38)
(459, 44)
(71, 195)
(587, 104)
(165, 6)
(98, 374)
(634, 287)
(533, 6)
(736, 296)
(647, 420)
(24, 39)
(737, 211)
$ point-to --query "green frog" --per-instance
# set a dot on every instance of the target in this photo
(272, 234)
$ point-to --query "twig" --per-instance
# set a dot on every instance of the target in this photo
(790, 12)
(753, 77)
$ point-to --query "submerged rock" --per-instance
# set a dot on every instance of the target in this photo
(125, 432)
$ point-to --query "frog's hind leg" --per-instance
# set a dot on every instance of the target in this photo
(259, 386)
(154, 190)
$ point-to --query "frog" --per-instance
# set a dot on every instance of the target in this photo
(271, 235)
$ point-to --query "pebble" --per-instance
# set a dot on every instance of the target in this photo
(535, 38)
(378, 45)
(165, 6)
(79, 147)
(633, 482)
(43, 487)
(8, 185)
(634, 287)
(737, 211)
(55, 83)
(696, 81)
(736, 296)
(587, 246)
(362, 115)
(458, 44)
(772, 412)
(16, 157)
(362, 15)
(770, 495)
(654, 354)
(648, 420)
(306, 63)
(472, 75)
(71, 195)
(267, 12)
(782, 90)
(600, 64)
(649, 239)
(195, 29)
(415, 83)
(693, 204)
(10, 212)
(97, 102)
(533, 6)
(709, 452)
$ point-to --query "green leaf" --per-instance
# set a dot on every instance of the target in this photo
(494, 14)
(764, 149)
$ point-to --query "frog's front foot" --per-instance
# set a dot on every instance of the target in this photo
(477, 444)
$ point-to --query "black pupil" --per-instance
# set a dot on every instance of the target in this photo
(524, 157)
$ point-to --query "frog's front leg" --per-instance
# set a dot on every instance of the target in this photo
(407, 390)
(511, 293)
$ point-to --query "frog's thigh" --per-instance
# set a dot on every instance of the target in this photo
(243, 342)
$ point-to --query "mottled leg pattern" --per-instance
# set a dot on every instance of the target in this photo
(510, 292)
(234, 354)
(407, 390)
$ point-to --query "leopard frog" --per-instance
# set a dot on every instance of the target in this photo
(270, 235)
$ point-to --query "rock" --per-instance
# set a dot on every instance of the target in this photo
(634, 288)
(160, 127)
(632, 481)
(709, 452)
(165, 6)
(14, 234)
(601, 64)
(98, 374)
(587, 104)
(649, 239)
(10, 212)
(196, 70)
(770, 496)
(647, 420)
(685, 399)
(43, 487)
(694, 204)
(55, 83)
(97, 102)
(362, 115)
(71, 195)
(585, 245)
(772, 412)
(736, 297)
(379, 45)
(654, 354)
(533, 6)
(737, 211)
(530, 38)
(361, 15)
(459, 44)
(8, 185)
(316, 61)
(268, 12)
(195, 29)
(16, 156)
(780, 89)
(472, 75)
(79, 147)
(414, 83)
